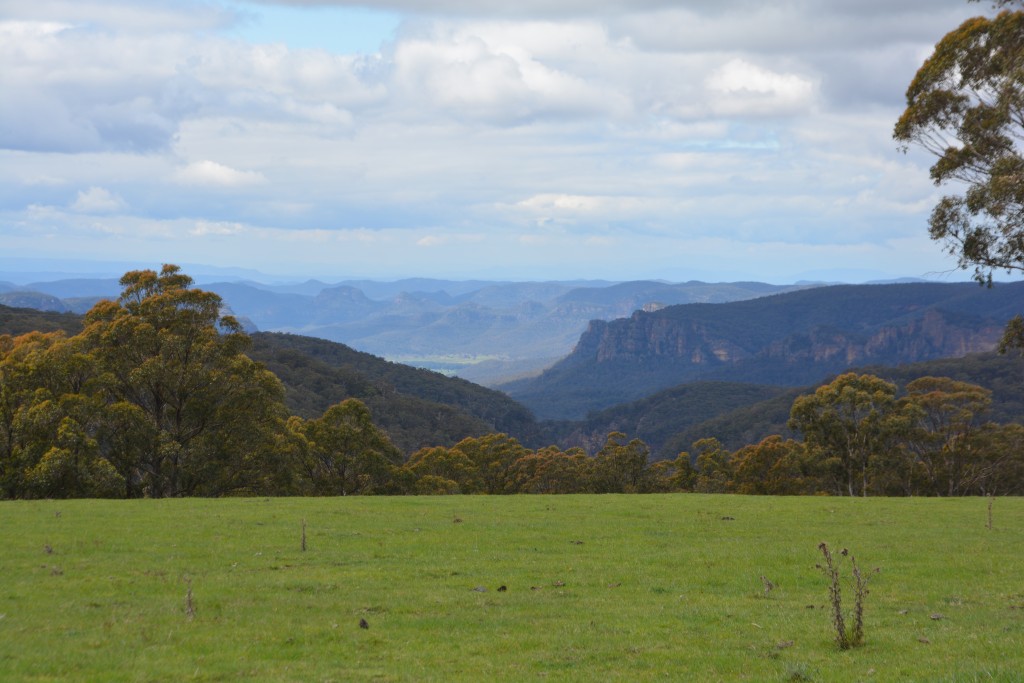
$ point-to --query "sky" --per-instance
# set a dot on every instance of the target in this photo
(715, 140)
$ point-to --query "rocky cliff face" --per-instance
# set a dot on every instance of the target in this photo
(646, 338)
(934, 335)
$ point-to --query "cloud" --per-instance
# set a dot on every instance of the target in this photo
(451, 238)
(620, 254)
(204, 228)
(745, 88)
(481, 127)
(80, 88)
(563, 202)
(75, 88)
(503, 73)
(97, 200)
(150, 17)
(523, 8)
(31, 30)
(577, 213)
(210, 173)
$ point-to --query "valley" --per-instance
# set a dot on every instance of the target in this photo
(727, 367)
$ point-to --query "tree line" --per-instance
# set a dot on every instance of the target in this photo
(859, 438)
(156, 397)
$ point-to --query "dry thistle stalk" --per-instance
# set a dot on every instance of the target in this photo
(190, 606)
(860, 587)
(303, 535)
(844, 639)
(835, 595)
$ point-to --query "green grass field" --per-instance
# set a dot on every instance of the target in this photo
(597, 588)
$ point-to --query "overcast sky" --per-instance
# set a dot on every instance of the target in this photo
(527, 139)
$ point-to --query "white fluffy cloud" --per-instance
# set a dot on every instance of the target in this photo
(743, 88)
(210, 173)
(97, 200)
(470, 79)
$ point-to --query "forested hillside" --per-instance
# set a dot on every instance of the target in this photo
(1003, 375)
(15, 321)
(790, 339)
(657, 419)
(415, 407)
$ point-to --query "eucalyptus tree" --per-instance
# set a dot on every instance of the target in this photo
(965, 105)
(946, 415)
(849, 426)
(172, 361)
(344, 453)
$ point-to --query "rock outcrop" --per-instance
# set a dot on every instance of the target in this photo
(788, 339)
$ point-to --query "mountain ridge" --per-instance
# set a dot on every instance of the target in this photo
(485, 331)
(787, 339)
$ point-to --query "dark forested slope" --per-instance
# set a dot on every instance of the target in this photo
(416, 407)
(16, 321)
(1003, 375)
(658, 418)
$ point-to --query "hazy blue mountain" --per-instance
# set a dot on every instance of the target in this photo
(82, 304)
(306, 288)
(23, 298)
(78, 288)
(461, 288)
(480, 330)
(268, 310)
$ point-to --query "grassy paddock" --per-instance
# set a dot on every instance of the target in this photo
(597, 588)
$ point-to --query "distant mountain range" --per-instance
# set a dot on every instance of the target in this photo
(486, 332)
(790, 339)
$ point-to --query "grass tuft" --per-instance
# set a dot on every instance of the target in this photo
(190, 604)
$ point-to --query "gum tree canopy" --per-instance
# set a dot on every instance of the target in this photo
(203, 412)
(966, 106)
